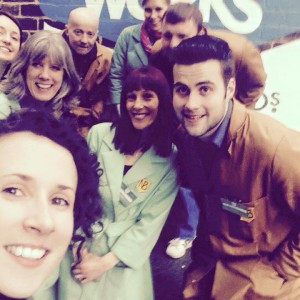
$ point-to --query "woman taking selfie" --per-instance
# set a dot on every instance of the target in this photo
(138, 187)
(48, 190)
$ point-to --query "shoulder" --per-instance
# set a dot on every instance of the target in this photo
(104, 51)
(131, 32)
(7, 106)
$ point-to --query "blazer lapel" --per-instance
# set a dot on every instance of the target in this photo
(113, 167)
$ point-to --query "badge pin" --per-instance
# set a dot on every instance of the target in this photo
(143, 185)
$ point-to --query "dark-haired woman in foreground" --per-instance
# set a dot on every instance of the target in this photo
(138, 187)
(48, 190)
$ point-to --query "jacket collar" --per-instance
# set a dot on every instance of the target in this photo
(236, 124)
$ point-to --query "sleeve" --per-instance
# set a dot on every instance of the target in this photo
(134, 246)
(250, 76)
(286, 174)
(118, 66)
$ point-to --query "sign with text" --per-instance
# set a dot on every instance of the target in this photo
(260, 20)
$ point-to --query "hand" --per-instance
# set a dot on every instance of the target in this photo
(92, 266)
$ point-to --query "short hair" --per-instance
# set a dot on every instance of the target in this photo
(87, 207)
(159, 133)
(201, 48)
(38, 46)
(181, 12)
(15, 20)
(144, 2)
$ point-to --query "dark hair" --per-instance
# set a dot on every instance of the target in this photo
(144, 2)
(181, 12)
(202, 48)
(128, 139)
(87, 207)
(15, 20)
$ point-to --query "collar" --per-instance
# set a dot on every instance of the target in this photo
(218, 136)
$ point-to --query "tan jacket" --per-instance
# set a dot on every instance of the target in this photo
(258, 170)
(249, 70)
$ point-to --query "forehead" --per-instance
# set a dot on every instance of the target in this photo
(8, 24)
(83, 21)
(207, 71)
(155, 3)
(26, 152)
(187, 27)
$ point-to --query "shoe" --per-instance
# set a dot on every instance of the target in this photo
(177, 247)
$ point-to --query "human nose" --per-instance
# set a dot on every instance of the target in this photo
(84, 38)
(45, 73)
(39, 218)
(138, 103)
(5, 37)
(174, 42)
(193, 101)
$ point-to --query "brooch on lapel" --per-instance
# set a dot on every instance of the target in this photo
(143, 185)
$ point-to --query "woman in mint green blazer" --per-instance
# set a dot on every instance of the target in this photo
(138, 187)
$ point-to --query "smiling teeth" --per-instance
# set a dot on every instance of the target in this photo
(26, 252)
(5, 49)
(43, 86)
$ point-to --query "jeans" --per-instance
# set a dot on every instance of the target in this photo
(188, 226)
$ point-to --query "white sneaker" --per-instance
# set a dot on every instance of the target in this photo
(177, 247)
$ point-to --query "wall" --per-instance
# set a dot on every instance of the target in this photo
(261, 21)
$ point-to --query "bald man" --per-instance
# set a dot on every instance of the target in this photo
(92, 61)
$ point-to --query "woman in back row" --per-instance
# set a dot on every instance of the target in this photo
(42, 77)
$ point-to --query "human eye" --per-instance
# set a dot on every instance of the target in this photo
(77, 32)
(130, 97)
(204, 89)
(167, 35)
(91, 34)
(56, 68)
(147, 10)
(181, 36)
(147, 96)
(12, 190)
(15, 38)
(181, 90)
(60, 201)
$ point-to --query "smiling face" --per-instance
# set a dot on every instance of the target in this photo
(82, 30)
(142, 107)
(44, 79)
(153, 13)
(200, 98)
(10, 39)
(38, 181)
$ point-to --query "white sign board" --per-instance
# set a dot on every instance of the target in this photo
(281, 99)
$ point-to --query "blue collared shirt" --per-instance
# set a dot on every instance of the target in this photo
(218, 136)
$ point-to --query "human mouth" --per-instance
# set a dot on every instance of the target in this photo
(43, 86)
(5, 49)
(193, 117)
(139, 115)
(34, 253)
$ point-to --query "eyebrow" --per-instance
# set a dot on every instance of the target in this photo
(29, 178)
(197, 84)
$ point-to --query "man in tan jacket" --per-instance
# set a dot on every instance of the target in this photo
(243, 169)
(182, 21)
(92, 61)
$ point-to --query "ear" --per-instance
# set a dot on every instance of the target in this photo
(67, 29)
(230, 90)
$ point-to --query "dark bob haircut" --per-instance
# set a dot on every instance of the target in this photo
(201, 48)
(87, 207)
(127, 138)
